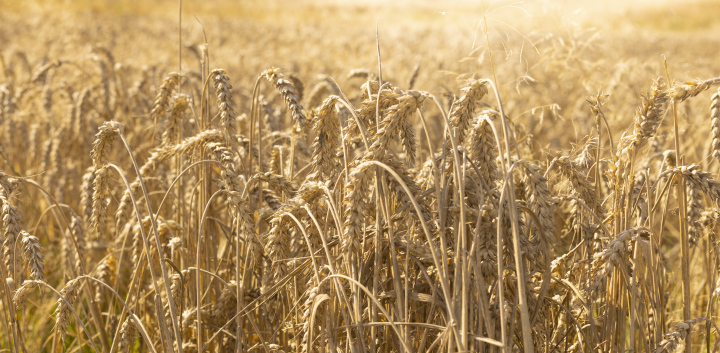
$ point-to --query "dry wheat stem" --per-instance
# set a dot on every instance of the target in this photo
(136, 320)
(94, 310)
(163, 267)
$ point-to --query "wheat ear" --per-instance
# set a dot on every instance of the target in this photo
(128, 334)
(21, 294)
(463, 109)
(673, 340)
(289, 94)
(101, 191)
(482, 149)
(33, 256)
(715, 123)
(691, 89)
(175, 124)
(163, 96)
(225, 104)
(11, 219)
(62, 318)
(326, 127)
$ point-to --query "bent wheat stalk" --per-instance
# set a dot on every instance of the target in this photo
(24, 291)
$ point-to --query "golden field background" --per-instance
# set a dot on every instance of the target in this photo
(618, 46)
(601, 278)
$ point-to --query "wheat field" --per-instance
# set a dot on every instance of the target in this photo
(321, 176)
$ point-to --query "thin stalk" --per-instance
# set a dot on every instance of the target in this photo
(711, 265)
(205, 175)
(458, 182)
(94, 308)
(393, 259)
(684, 242)
(179, 137)
(376, 275)
(163, 267)
(633, 300)
(316, 266)
(11, 310)
(6, 322)
(379, 190)
(177, 180)
(376, 302)
(443, 278)
(138, 323)
(137, 278)
(240, 285)
(464, 266)
(146, 241)
(179, 36)
(198, 277)
(247, 309)
(522, 299)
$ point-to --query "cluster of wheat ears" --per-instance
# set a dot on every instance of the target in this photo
(341, 224)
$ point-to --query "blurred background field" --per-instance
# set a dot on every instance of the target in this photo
(564, 49)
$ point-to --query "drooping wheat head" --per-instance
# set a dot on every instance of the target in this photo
(289, 94)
